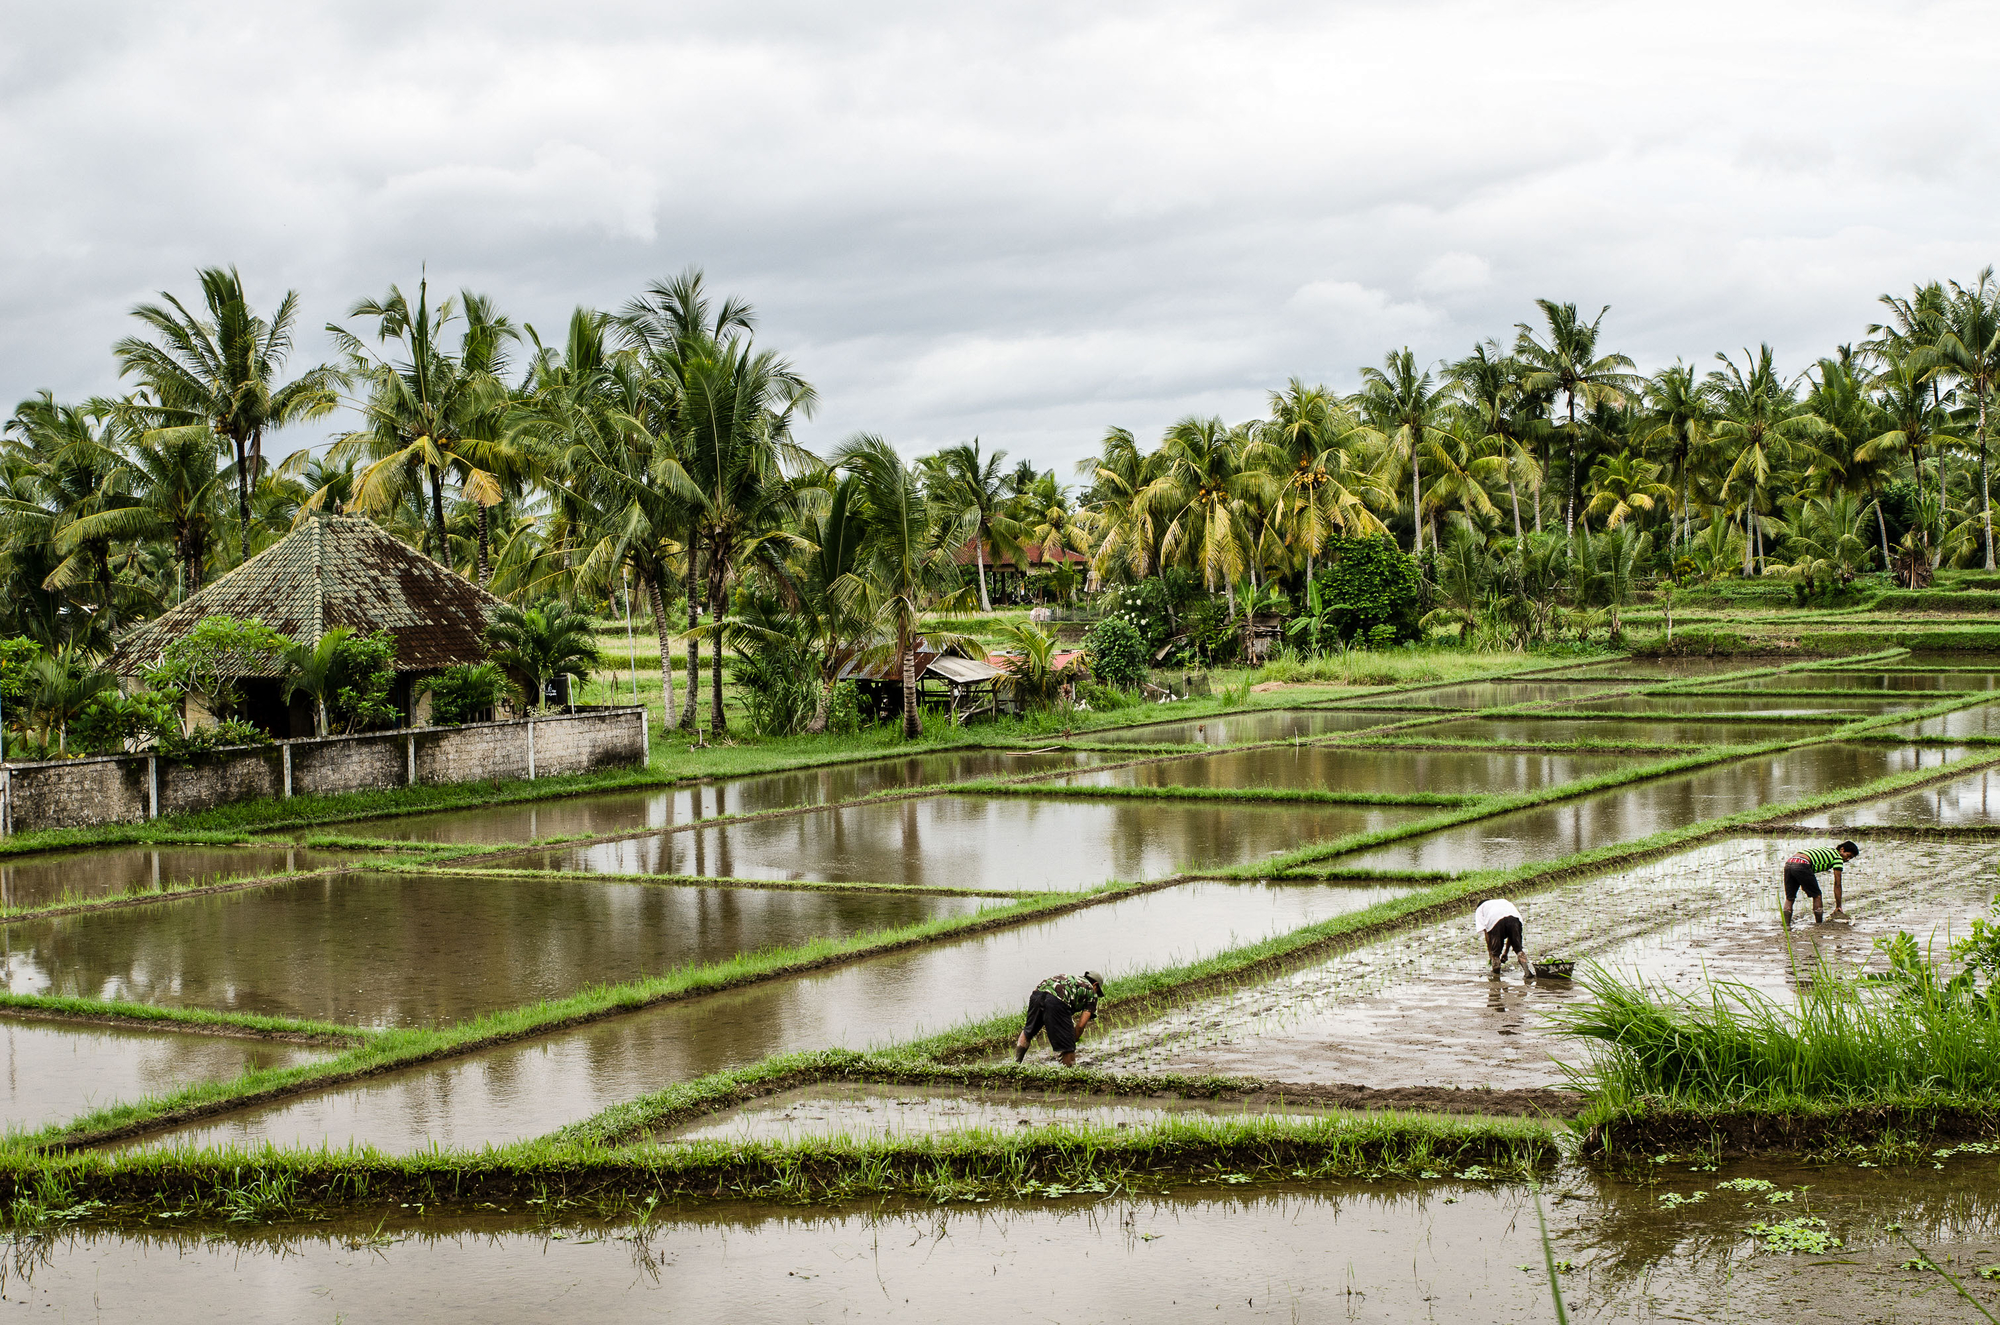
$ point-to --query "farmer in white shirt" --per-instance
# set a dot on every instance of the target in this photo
(1499, 924)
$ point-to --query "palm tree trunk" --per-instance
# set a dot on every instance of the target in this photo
(979, 558)
(718, 721)
(1985, 484)
(1416, 504)
(912, 727)
(1882, 525)
(485, 569)
(1514, 496)
(243, 495)
(437, 516)
(1749, 527)
(688, 719)
(666, 656)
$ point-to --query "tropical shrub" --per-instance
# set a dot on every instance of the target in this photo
(466, 693)
(843, 711)
(1032, 677)
(218, 736)
(1117, 652)
(364, 672)
(537, 644)
(778, 682)
(1211, 633)
(1369, 583)
(203, 665)
(112, 722)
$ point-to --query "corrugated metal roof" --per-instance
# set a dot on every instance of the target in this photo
(336, 570)
(964, 670)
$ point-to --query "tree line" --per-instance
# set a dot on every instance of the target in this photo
(649, 455)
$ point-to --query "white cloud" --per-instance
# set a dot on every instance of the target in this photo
(1025, 222)
(1454, 273)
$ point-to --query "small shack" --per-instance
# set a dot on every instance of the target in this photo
(946, 679)
(334, 570)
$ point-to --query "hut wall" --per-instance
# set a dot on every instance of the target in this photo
(73, 793)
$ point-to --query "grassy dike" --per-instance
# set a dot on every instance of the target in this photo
(543, 1178)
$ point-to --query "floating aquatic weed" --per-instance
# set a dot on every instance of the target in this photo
(1916, 1263)
(1674, 1200)
(1989, 1272)
(1746, 1185)
(1477, 1173)
(1802, 1233)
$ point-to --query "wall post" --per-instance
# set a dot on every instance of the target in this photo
(288, 770)
(531, 747)
(413, 760)
(153, 786)
(645, 740)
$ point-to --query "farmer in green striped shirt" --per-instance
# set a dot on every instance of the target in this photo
(1802, 876)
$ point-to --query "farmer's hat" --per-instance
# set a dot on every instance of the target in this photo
(1095, 979)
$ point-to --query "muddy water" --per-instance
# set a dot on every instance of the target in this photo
(37, 880)
(1979, 720)
(1489, 694)
(1449, 1250)
(1841, 706)
(1420, 1008)
(1241, 728)
(1532, 731)
(1624, 814)
(628, 811)
(527, 1089)
(1364, 768)
(50, 1072)
(1973, 799)
(411, 950)
(1873, 679)
(1672, 668)
(1002, 842)
(856, 1109)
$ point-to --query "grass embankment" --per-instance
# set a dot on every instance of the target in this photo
(543, 1178)
(1845, 1061)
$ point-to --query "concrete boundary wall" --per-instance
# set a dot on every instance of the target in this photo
(123, 789)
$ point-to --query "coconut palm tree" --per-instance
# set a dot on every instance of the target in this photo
(1405, 416)
(1679, 415)
(65, 464)
(905, 566)
(176, 490)
(1308, 446)
(314, 670)
(435, 413)
(1568, 364)
(1967, 348)
(1838, 397)
(1490, 386)
(219, 373)
(1208, 495)
(735, 443)
(1910, 418)
(963, 482)
(1760, 420)
(1622, 487)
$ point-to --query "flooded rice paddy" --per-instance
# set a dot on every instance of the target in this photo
(423, 950)
(1241, 728)
(1421, 1008)
(46, 878)
(1975, 720)
(857, 1109)
(1362, 769)
(631, 811)
(1491, 694)
(51, 1072)
(1030, 844)
(1627, 813)
(1625, 731)
(1668, 1245)
(1972, 799)
(1844, 707)
(522, 1090)
(1827, 679)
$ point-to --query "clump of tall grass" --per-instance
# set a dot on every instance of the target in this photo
(1843, 1040)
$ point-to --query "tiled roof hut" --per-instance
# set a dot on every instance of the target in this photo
(334, 570)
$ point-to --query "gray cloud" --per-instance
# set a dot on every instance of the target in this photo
(1026, 222)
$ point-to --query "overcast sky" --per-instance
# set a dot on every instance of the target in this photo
(1024, 222)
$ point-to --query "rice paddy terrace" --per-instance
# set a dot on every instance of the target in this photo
(743, 1046)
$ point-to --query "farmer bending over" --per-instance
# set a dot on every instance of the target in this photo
(1802, 876)
(1500, 923)
(1062, 1005)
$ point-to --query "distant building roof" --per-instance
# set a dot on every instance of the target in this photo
(335, 570)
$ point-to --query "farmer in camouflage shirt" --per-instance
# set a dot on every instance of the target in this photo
(1062, 1005)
